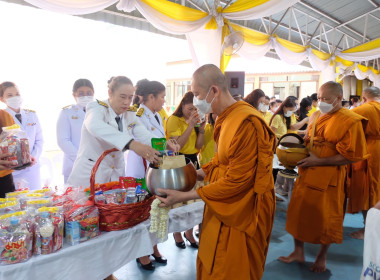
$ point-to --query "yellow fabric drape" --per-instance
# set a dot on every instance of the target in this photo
(321, 55)
(359, 87)
(251, 36)
(364, 47)
(290, 45)
(175, 11)
(343, 61)
(365, 69)
(224, 59)
(242, 5)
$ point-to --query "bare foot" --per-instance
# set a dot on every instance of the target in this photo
(319, 265)
(293, 257)
(358, 234)
(144, 260)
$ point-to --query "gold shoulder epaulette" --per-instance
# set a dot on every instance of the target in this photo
(102, 103)
(133, 108)
(140, 112)
(27, 110)
(66, 107)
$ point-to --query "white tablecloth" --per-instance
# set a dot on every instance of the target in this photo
(101, 256)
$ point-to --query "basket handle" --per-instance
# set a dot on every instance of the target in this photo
(95, 169)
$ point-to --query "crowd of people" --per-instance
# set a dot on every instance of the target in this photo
(232, 144)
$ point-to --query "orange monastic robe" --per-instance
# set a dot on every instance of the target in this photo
(363, 180)
(316, 208)
(240, 203)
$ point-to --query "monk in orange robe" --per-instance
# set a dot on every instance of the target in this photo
(363, 180)
(334, 138)
(239, 199)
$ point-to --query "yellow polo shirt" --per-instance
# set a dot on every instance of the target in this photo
(208, 150)
(164, 117)
(175, 127)
(313, 109)
(279, 123)
(267, 116)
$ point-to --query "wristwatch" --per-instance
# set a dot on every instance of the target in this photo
(126, 147)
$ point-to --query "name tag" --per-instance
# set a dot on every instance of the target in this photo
(131, 126)
(74, 117)
(31, 124)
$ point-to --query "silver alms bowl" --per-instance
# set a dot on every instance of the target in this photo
(179, 179)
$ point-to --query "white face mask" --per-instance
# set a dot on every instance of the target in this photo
(14, 102)
(326, 107)
(203, 106)
(275, 109)
(263, 108)
(288, 114)
(84, 100)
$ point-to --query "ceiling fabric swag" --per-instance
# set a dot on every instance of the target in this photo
(72, 7)
(205, 32)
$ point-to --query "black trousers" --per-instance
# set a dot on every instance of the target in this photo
(6, 185)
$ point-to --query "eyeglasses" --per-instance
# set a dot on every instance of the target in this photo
(82, 93)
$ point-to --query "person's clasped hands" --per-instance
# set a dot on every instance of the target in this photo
(6, 164)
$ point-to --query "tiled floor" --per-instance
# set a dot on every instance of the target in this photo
(344, 260)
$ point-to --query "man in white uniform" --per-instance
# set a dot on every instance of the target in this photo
(29, 123)
(69, 124)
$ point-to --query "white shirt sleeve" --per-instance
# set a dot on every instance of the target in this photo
(96, 124)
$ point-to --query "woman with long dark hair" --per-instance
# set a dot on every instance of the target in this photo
(305, 107)
(284, 120)
(182, 126)
(260, 102)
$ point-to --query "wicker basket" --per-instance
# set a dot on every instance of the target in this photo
(116, 217)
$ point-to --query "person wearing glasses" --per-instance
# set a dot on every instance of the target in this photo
(69, 124)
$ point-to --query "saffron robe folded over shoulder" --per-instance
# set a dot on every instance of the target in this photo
(363, 177)
(316, 208)
(239, 201)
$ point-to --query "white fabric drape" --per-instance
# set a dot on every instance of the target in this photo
(360, 56)
(161, 21)
(205, 46)
(73, 7)
(269, 8)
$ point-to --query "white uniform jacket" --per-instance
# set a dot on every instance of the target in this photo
(135, 166)
(100, 133)
(31, 125)
(69, 127)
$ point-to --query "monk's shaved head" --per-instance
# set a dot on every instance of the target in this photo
(372, 92)
(209, 75)
(332, 88)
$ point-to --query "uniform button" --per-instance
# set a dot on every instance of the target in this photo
(112, 167)
(113, 156)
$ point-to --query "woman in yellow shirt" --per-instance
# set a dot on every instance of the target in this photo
(259, 101)
(284, 121)
(182, 126)
(208, 150)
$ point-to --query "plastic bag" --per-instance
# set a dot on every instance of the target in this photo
(15, 239)
(13, 140)
(82, 223)
(49, 230)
